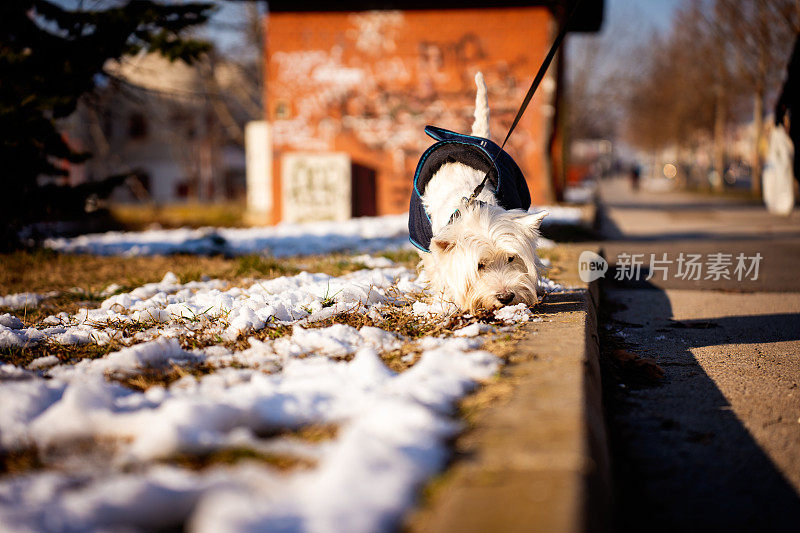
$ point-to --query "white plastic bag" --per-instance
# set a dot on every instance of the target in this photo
(778, 178)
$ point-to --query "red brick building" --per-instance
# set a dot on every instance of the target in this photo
(362, 81)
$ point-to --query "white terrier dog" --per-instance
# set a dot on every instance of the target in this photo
(477, 254)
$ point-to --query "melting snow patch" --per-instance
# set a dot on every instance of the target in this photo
(43, 362)
(12, 338)
(547, 285)
(373, 262)
(10, 321)
(392, 428)
(24, 299)
(513, 313)
(363, 234)
(393, 436)
(473, 330)
(560, 215)
(433, 308)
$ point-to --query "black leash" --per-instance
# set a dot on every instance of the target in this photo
(535, 85)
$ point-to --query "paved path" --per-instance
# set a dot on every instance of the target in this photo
(716, 444)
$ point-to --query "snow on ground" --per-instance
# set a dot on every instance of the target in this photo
(561, 215)
(366, 234)
(113, 444)
(24, 299)
(581, 194)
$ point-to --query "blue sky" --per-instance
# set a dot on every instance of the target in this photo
(627, 25)
(656, 12)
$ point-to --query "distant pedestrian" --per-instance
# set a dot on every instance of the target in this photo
(789, 104)
(636, 173)
(778, 182)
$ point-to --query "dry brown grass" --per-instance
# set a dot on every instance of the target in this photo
(232, 456)
(19, 461)
(80, 279)
(147, 377)
(22, 356)
(45, 270)
(29, 459)
(192, 214)
(313, 433)
(32, 457)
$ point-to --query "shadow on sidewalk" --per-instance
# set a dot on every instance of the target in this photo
(683, 460)
(782, 327)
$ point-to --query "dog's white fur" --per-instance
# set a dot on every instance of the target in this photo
(486, 258)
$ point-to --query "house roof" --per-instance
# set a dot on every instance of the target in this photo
(588, 18)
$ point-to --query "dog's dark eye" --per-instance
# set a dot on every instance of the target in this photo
(510, 258)
(481, 266)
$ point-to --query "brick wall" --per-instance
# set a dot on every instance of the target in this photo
(368, 82)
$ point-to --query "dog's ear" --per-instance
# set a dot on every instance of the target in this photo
(533, 220)
(442, 245)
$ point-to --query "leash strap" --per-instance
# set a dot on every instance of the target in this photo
(534, 85)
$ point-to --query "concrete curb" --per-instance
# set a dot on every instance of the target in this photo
(537, 457)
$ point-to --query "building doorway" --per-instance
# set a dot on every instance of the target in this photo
(364, 191)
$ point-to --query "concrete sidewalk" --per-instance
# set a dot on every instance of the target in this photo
(716, 444)
(661, 222)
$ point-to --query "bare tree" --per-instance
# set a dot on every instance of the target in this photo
(719, 57)
(677, 93)
(599, 75)
(757, 35)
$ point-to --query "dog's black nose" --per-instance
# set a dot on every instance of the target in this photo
(505, 297)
